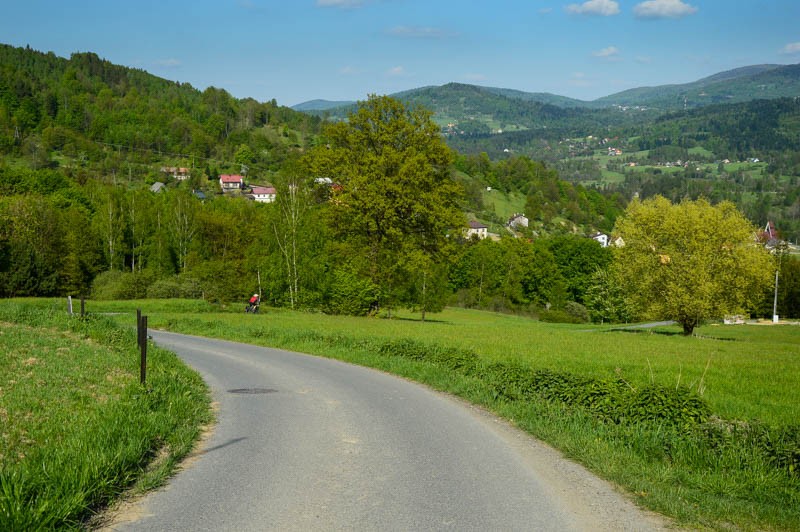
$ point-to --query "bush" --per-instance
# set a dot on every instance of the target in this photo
(557, 316)
(121, 285)
(176, 287)
(351, 295)
(577, 311)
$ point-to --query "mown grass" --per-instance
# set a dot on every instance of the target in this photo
(77, 428)
(719, 474)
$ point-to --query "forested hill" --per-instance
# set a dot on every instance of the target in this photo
(83, 105)
(469, 110)
(758, 82)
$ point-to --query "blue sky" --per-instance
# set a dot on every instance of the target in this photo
(299, 50)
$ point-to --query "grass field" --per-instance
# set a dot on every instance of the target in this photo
(504, 205)
(715, 475)
(77, 428)
(744, 371)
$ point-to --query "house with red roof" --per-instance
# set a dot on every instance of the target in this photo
(263, 194)
(231, 182)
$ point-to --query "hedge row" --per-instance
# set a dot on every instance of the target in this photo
(612, 401)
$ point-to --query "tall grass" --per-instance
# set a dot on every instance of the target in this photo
(77, 427)
(732, 466)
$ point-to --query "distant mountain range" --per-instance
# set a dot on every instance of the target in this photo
(732, 86)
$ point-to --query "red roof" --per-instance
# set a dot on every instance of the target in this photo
(225, 178)
(264, 190)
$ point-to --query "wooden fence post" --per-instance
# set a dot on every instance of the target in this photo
(143, 347)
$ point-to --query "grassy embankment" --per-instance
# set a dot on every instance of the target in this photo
(76, 426)
(733, 464)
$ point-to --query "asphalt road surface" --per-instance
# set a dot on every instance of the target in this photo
(307, 443)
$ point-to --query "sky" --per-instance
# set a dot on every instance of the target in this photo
(299, 50)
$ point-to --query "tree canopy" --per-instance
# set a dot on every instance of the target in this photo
(691, 261)
(395, 200)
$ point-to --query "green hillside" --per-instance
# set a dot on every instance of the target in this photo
(84, 108)
(734, 86)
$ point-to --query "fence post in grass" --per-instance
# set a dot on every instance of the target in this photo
(143, 348)
(139, 327)
(69, 305)
(83, 306)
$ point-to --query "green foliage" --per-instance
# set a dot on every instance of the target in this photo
(396, 196)
(511, 272)
(578, 258)
(351, 295)
(178, 287)
(605, 299)
(96, 431)
(122, 285)
(690, 262)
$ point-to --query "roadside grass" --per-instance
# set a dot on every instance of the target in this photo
(77, 427)
(734, 468)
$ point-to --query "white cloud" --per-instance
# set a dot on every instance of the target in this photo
(791, 48)
(595, 7)
(611, 51)
(663, 9)
(416, 32)
(396, 72)
(344, 4)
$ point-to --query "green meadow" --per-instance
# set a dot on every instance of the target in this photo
(706, 430)
(77, 429)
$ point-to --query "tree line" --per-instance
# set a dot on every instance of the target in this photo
(369, 215)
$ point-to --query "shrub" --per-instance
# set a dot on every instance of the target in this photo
(351, 295)
(176, 287)
(577, 311)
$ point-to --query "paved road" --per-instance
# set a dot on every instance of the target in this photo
(306, 443)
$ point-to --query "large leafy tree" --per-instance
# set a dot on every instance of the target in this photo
(396, 200)
(690, 261)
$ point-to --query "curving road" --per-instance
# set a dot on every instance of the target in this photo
(307, 443)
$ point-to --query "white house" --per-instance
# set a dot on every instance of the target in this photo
(477, 228)
(518, 220)
(263, 194)
(602, 238)
(231, 182)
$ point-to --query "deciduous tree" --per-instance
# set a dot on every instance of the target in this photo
(691, 261)
(396, 194)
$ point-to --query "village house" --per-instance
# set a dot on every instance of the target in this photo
(475, 228)
(181, 174)
(263, 194)
(602, 238)
(518, 221)
(231, 182)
